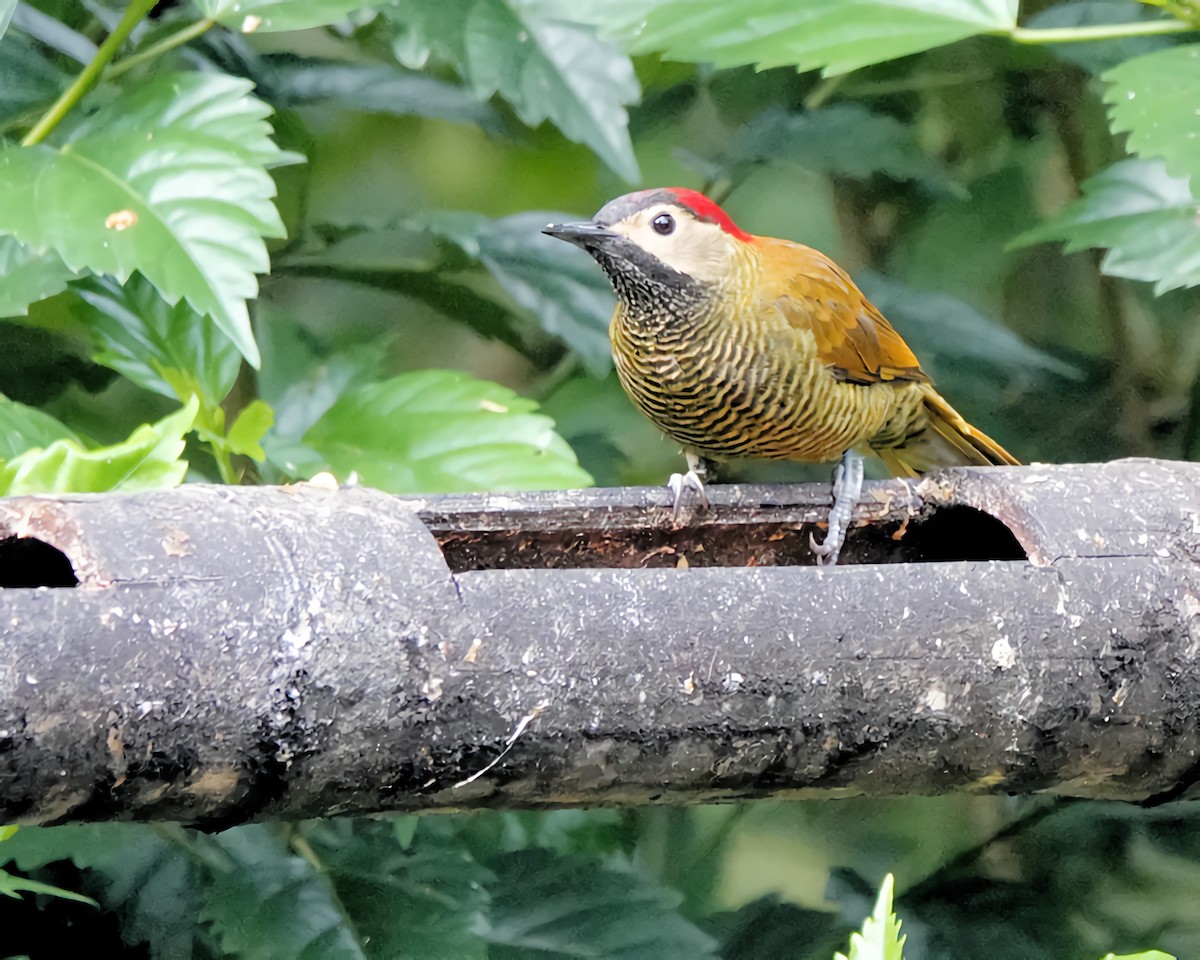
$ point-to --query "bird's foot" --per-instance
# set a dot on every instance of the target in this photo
(692, 480)
(847, 486)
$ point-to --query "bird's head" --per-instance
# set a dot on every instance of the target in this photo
(667, 240)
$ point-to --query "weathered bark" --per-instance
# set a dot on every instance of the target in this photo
(230, 654)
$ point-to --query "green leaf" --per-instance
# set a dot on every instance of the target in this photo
(12, 886)
(299, 384)
(547, 70)
(154, 344)
(7, 831)
(409, 260)
(379, 88)
(558, 285)
(846, 139)
(549, 906)
(880, 938)
(1146, 217)
(23, 428)
(943, 326)
(410, 902)
(274, 905)
(147, 875)
(58, 35)
(27, 78)
(27, 277)
(6, 11)
(768, 928)
(1147, 955)
(251, 425)
(266, 16)
(168, 180)
(837, 35)
(148, 460)
(439, 431)
(1153, 98)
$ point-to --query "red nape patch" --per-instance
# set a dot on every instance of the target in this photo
(705, 209)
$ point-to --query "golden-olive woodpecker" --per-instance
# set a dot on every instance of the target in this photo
(743, 346)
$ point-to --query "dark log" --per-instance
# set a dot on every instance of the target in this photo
(216, 655)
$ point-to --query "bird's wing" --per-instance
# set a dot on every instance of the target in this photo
(853, 338)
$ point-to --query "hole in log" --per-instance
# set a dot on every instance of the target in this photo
(26, 562)
(958, 532)
(944, 534)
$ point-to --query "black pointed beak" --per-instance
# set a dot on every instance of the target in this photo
(588, 234)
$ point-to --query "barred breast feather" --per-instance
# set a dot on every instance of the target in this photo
(803, 369)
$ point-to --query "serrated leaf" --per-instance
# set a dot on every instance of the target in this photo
(251, 425)
(548, 70)
(836, 35)
(425, 29)
(213, 106)
(27, 277)
(439, 431)
(1146, 217)
(148, 460)
(880, 938)
(275, 905)
(556, 907)
(558, 285)
(168, 180)
(149, 880)
(23, 428)
(1153, 98)
(154, 344)
(559, 72)
(11, 886)
(380, 88)
(410, 904)
(266, 16)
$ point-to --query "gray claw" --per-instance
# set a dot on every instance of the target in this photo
(847, 486)
(681, 482)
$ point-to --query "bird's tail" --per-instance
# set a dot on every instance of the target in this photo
(949, 441)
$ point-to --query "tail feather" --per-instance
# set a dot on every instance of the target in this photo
(949, 441)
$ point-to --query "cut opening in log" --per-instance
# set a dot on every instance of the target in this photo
(28, 562)
(745, 526)
(944, 534)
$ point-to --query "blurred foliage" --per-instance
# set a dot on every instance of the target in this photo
(250, 240)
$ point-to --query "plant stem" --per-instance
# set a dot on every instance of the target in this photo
(1100, 31)
(821, 93)
(134, 13)
(190, 32)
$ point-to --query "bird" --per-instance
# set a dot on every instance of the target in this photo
(748, 347)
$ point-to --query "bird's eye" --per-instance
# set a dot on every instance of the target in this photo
(663, 224)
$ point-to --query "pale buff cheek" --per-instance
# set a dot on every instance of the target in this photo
(699, 250)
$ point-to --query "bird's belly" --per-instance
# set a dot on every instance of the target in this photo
(747, 404)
